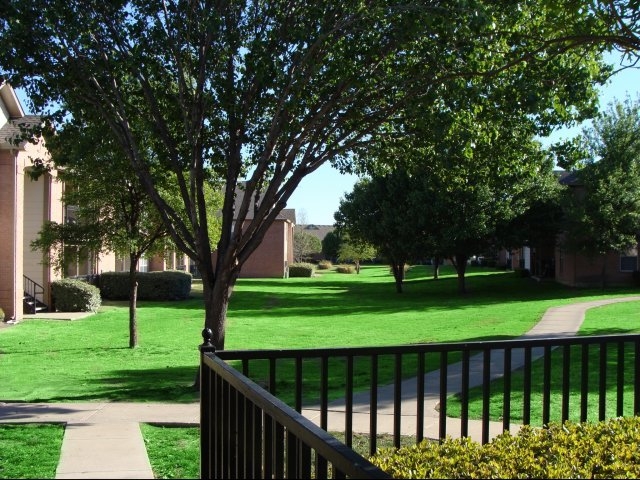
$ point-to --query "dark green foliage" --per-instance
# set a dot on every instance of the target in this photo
(301, 269)
(570, 450)
(331, 244)
(168, 285)
(75, 296)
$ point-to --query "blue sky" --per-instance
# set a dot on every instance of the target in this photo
(318, 195)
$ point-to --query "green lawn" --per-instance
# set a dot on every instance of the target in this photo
(89, 359)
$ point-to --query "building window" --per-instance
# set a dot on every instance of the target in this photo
(629, 260)
(143, 265)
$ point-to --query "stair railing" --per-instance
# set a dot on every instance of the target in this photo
(34, 290)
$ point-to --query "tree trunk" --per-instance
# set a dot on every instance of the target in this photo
(133, 299)
(357, 262)
(216, 291)
(398, 275)
(461, 268)
(603, 273)
(436, 268)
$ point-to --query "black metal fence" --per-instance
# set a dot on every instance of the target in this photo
(422, 391)
(248, 433)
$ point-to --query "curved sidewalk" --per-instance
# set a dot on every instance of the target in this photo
(103, 440)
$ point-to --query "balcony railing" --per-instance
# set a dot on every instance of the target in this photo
(413, 390)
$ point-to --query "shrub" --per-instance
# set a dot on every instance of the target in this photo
(167, 285)
(71, 295)
(345, 269)
(301, 269)
(324, 265)
(570, 450)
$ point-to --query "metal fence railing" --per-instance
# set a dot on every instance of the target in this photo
(476, 389)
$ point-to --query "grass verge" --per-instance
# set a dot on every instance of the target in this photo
(30, 451)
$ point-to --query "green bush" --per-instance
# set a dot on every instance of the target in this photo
(167, 285)
(301, 269)
(324, 265)
(70, 295)
(570, 450)
(345, 269)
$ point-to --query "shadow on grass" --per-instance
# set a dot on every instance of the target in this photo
(170, 385)
(331, 295)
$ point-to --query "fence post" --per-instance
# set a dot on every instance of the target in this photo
(206, 404)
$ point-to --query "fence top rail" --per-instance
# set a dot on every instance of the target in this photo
(426, 347)
(341, 456)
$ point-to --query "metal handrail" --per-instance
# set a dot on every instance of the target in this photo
(33, 289)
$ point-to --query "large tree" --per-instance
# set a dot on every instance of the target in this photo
(262, 91)
(603, 211)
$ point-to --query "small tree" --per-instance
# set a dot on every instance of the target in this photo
(353, 251)
(304, 246)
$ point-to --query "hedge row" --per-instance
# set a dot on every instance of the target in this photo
(571, 450)
(167, 285)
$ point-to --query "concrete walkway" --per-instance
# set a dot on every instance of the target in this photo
(103, 440)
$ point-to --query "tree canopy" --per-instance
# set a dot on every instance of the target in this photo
(261, 91)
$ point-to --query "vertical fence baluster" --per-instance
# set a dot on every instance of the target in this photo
(420, 399)
(292, 455)
(397, 400)
(526, 394)
(241, 427)
(272, 377)
(373, 406)
(257, 442)
(620, 386)
(602, 390)
(348, 433)
(324, 391)
(566, 372)
(219, 427)
(546, 387)
(444, 372)
(584, 383)
(233, 433)
(464, 394)
(279, 451)
(486, 392)
(506, 396)
(267, 449)
(305, 461)
(207, 411)
(298, 380)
